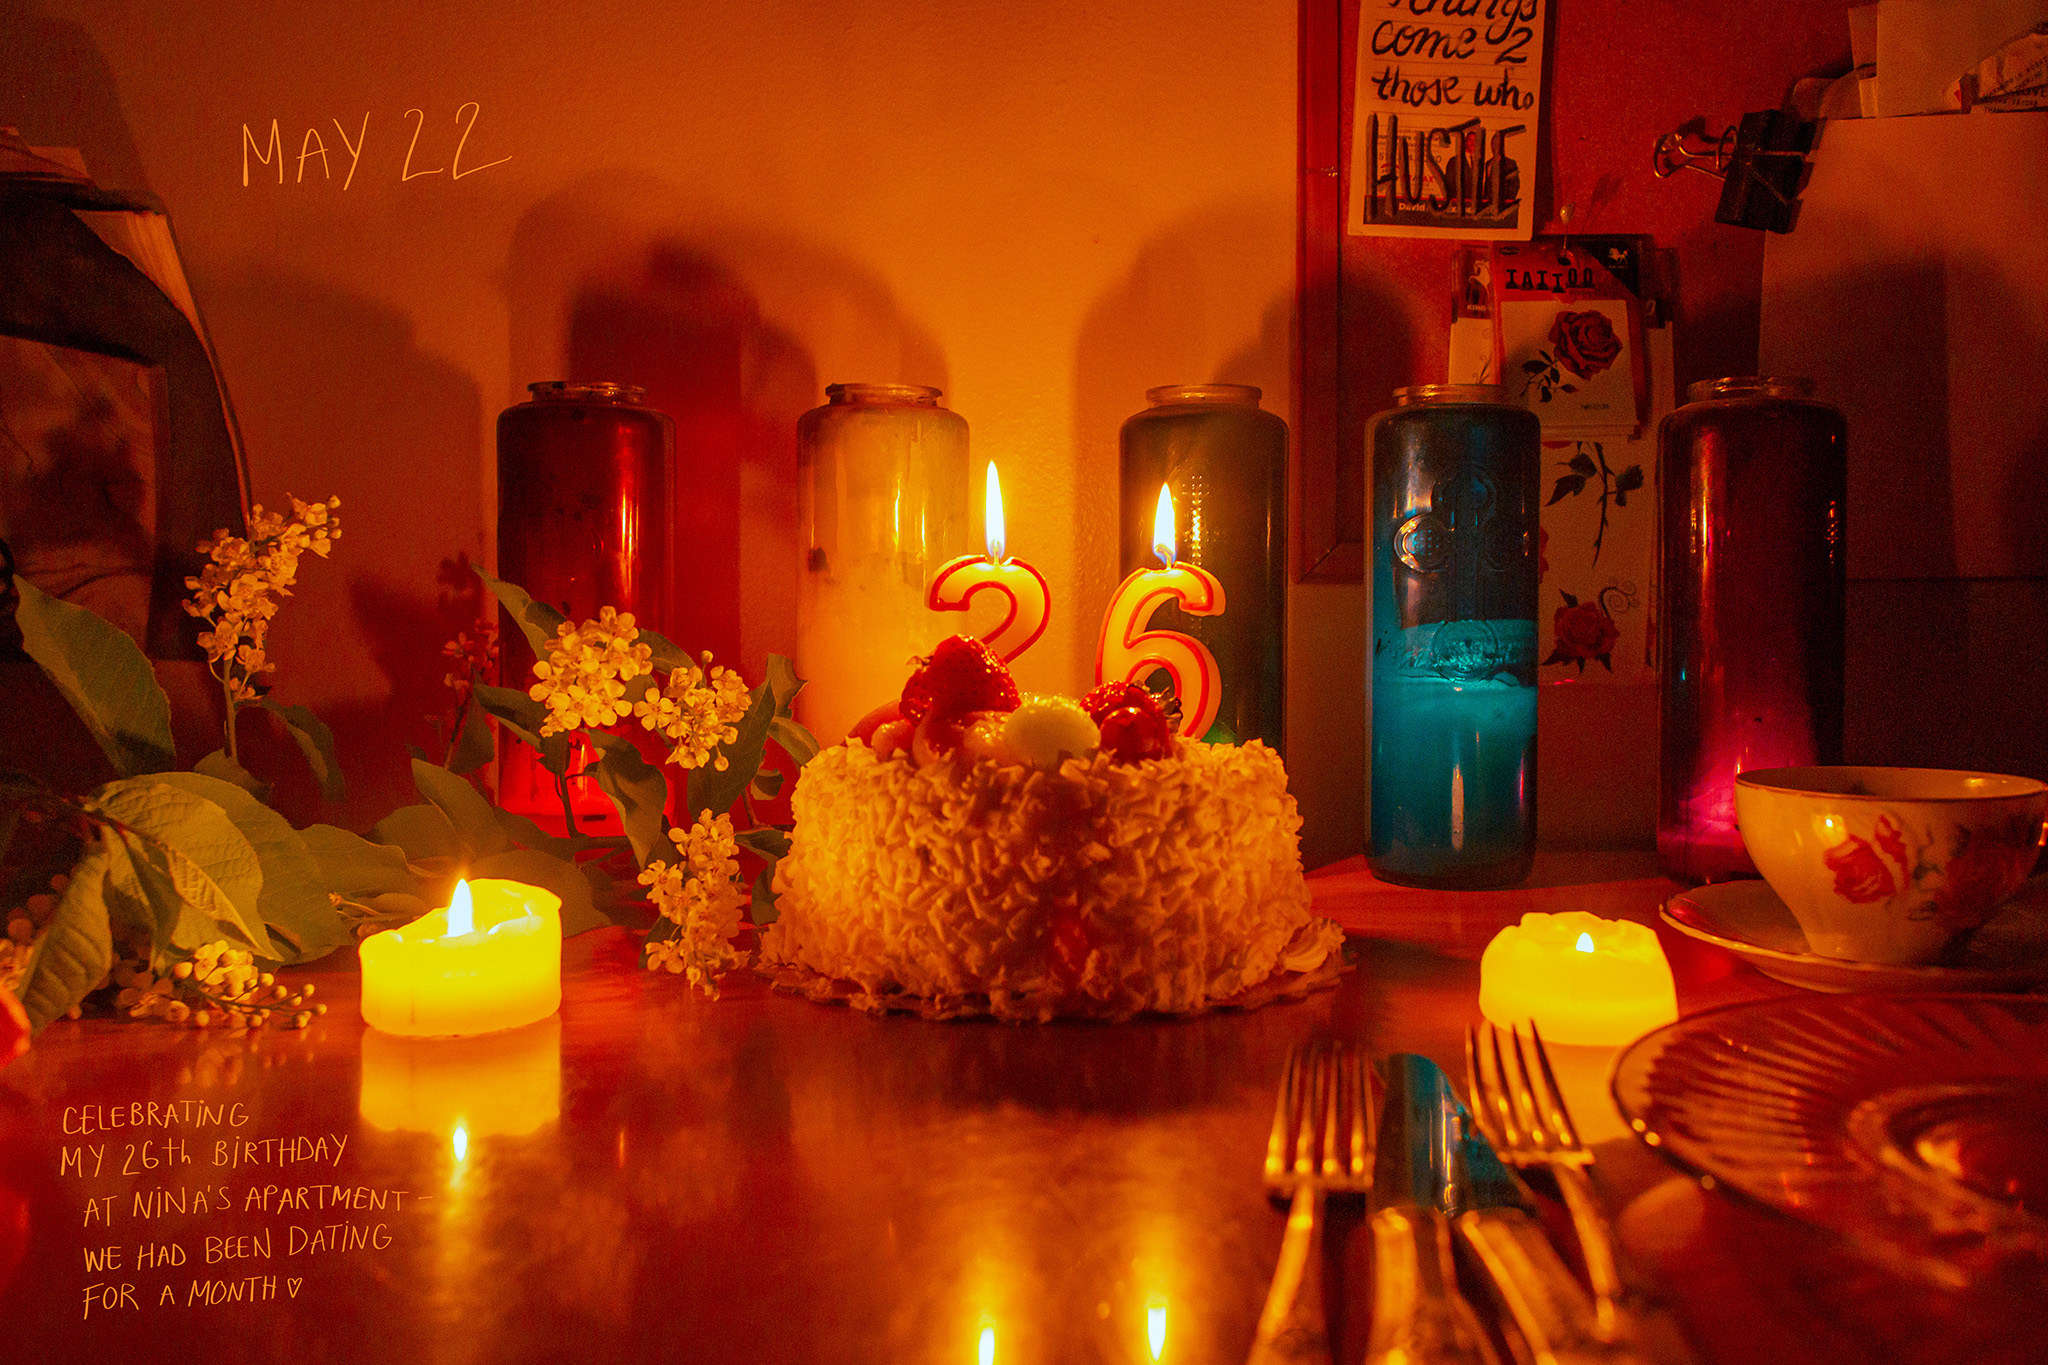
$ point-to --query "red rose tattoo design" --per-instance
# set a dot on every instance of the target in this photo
(1582, 344)
(1583, 632)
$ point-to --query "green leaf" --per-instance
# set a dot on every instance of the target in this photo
(638, 791)
(766, 784)
(1582, 463)
(475, 823)
(474, 745)
(316, 742)
(224, 768)
(1567, 486)
(717, 792)
(766, 840)
(522, 715)
(358, 869)
(293, 900)
(210, 865)
(145, 898)
(761, 908)
(422, 833)
(779, 675)
(799, 743)
(77, 947)
(538, 621)
(668, 656)
(104, 676)
(565, 879)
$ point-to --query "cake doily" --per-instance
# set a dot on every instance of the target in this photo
(1043, 1007)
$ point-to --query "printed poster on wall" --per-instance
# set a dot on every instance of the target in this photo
(1444, 119)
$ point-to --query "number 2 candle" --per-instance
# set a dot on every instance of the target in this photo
(956, 584)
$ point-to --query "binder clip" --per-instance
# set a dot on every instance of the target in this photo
(1761, 163)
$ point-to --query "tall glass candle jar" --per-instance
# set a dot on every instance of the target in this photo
(1750, 610)
(1225, 459)
(884, 498)
(584, 521)
(1454, 519)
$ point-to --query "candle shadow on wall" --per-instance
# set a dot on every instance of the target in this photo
(1174, 318)
(626, 278)
(336, 397)
(62, 92)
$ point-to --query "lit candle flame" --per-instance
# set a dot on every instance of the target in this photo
(1585, 943)
(1155, 1329)
(988, 1345)
(992, 518)
(459, 1140)
(1163, 543)
(461, 919)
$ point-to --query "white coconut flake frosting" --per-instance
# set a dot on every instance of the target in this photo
(1101, 889)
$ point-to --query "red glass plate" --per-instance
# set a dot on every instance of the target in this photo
(1916, 1121)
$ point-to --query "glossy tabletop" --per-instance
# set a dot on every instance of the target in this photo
(658, 1176)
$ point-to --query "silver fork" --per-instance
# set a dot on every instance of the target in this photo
(1321, 1144)
(1522, 1113)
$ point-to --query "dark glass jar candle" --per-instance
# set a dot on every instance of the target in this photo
(1225, 461)
(584, 521)
(1454, 520)
(1750, 606)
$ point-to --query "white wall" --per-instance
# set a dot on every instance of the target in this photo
(1043, 209)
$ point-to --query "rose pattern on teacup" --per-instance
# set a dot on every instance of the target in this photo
(1983, 859)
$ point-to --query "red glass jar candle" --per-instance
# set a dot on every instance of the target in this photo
(1750, 606)
(584, 521)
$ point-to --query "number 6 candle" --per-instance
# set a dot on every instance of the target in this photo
(955, 585)
(1129, 651)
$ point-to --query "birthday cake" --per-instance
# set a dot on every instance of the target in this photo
(970, 852)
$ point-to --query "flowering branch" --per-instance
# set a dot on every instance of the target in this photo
(236, 593)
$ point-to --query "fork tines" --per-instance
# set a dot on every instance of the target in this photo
(1323, 1121)
(1520, 1108)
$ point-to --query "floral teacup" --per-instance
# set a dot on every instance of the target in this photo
(1889, 864)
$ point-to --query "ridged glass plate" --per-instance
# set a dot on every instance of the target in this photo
(1918, 1119)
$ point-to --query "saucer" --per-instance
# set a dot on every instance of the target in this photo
(2009, 952)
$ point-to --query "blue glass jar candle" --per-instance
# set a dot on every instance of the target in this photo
(1454, 502)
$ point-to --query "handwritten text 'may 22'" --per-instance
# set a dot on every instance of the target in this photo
(432, 147)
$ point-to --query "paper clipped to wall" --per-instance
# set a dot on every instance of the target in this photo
(1444, 119)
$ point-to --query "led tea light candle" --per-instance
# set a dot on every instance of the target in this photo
(1129, 651)
(491, 960)
(956, 584)
(1581, 979)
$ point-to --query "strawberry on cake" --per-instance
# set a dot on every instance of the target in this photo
(968, 851)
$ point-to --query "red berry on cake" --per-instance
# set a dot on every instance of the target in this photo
(1068, 943)
(1115, 696)
(893, 737)
(937, 737)
(1132, 734)
(961, 676)
(864, 728)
